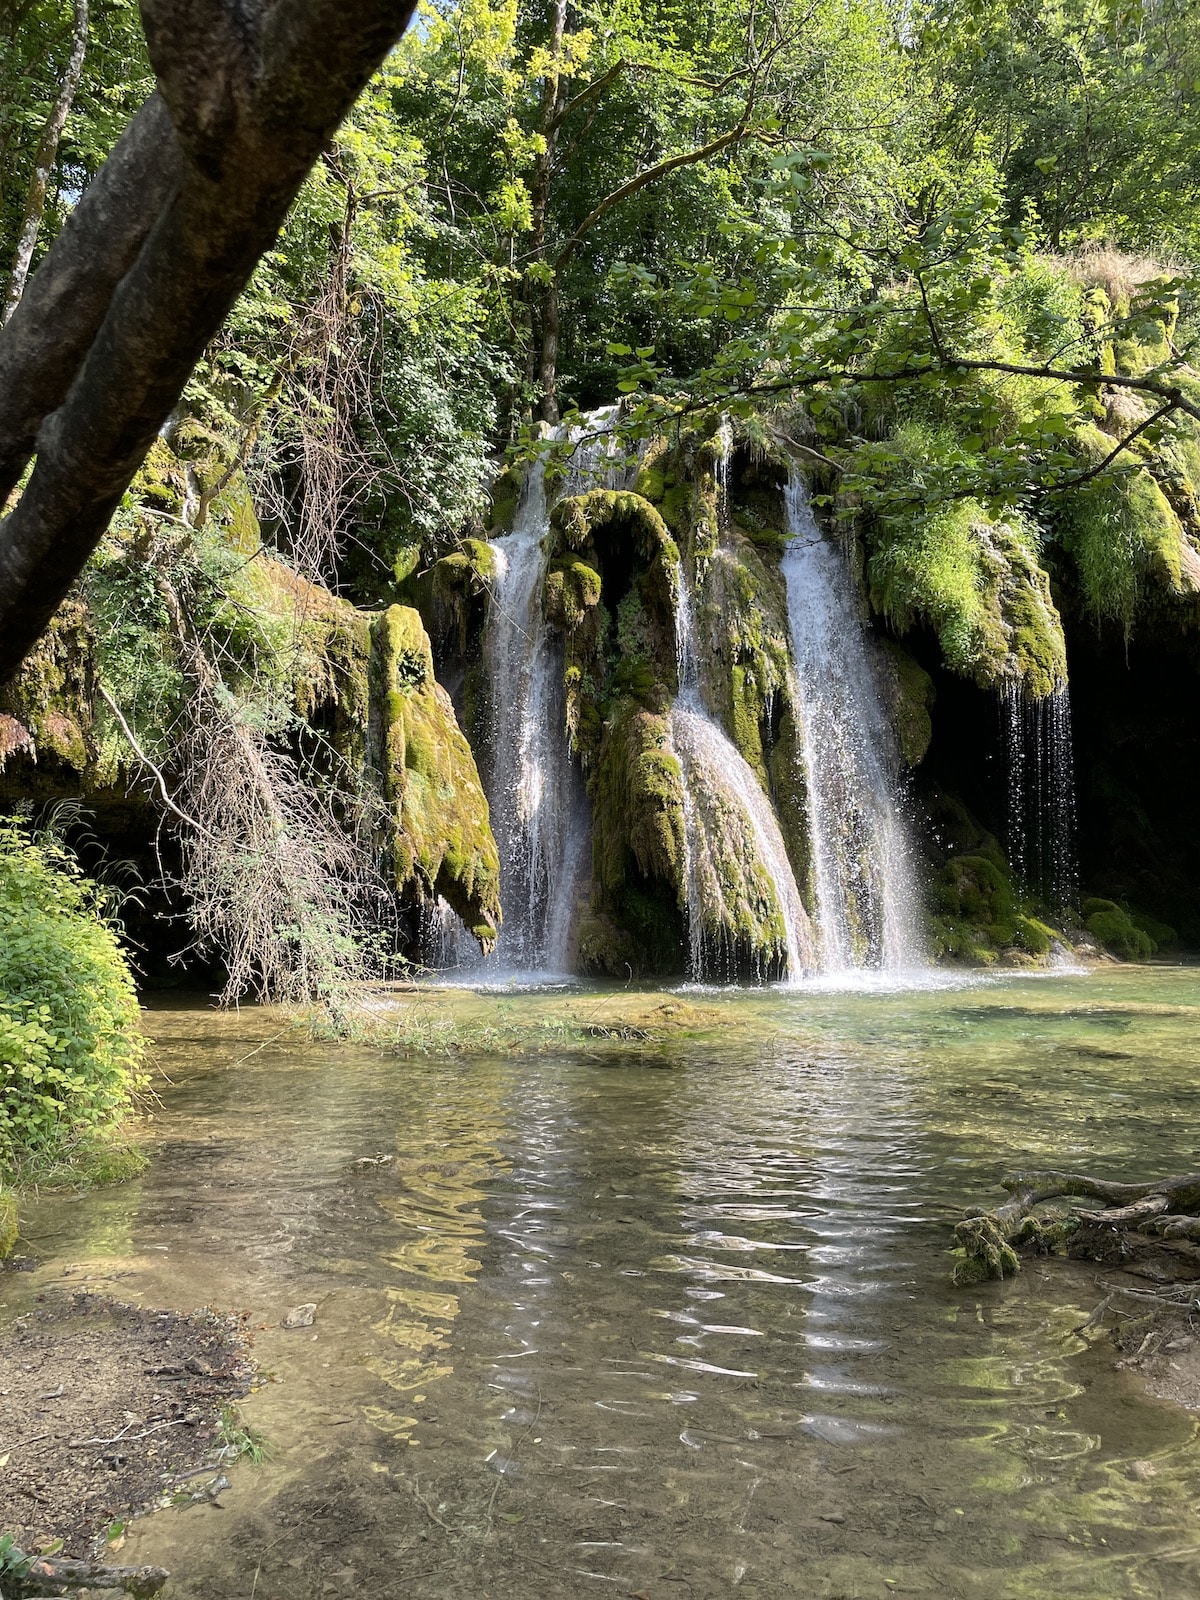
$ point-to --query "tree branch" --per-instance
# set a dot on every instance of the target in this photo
(35, 202)
(646, 176)
(1121, 445)
(164, 792)
(963, 364)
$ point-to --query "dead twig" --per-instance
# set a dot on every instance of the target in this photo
(125, 1437)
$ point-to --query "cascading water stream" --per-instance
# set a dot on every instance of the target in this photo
(713, 766)
(536, 795)
(867, 895)
(532, 782)
(1040, 770)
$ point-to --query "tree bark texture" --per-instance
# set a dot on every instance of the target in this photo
(251, 94)
(43, 163)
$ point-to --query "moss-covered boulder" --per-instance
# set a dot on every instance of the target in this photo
(1125, 933)
(442, 837)
(979, 918)
(635, 921)
(1123, 529)
(980, 583)
(456, 594)
(49, 709)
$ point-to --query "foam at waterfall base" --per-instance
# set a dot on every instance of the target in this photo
(894, 980)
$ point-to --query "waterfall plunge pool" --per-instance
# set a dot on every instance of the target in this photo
(649, 1293)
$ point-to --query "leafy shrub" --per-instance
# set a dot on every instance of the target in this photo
(70, 1044)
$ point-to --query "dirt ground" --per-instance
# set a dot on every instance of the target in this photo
(1150, 1307)
(106, 1408)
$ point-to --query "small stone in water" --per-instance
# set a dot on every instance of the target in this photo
(301, 1316)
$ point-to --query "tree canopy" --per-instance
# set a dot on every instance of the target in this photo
(533, 206)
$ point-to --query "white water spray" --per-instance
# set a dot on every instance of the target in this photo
(1040, 768)
(867, 895)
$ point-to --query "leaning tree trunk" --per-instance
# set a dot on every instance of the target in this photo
(255, 92)
(39, 182)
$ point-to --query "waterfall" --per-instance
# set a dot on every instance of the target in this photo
(866, 890)
(536, 794)
(1040, 774)
(533, 793)
(725, 810)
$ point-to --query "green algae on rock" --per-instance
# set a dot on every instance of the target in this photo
(442, 841)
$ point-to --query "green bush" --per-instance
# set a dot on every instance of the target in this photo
(70, 1044)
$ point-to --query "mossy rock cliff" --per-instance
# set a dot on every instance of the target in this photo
(442, 840)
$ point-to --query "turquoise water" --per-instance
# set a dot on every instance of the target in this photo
(650, 1294)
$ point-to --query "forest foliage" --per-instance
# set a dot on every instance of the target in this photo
(71, 1049)
(946, 253)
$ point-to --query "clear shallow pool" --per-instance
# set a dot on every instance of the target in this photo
(667, 1313)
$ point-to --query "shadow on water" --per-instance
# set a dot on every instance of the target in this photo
(680, 1331)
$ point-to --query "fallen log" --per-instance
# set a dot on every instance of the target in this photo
(55, 1575)
(987, 1241)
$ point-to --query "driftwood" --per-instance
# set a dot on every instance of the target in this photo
(55, 1575)
(987, 1241)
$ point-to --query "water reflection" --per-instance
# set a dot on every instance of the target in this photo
(591, 1325)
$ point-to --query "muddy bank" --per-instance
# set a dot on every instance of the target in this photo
(108, 1410)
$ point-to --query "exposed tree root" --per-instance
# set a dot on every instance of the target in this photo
(1117, 1230)
(51, 1575)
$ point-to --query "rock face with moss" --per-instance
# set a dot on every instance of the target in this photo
(442, 841)
(346, 695)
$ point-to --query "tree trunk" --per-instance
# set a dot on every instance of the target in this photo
(548, 364)
(35, 200)
(254, 95)
(542, 355)
(67, 299)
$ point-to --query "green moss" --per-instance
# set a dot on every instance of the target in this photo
(635, 921)
(506, 493)
(911, 693)
(1124, 535)
(442, 839)
(741, 931)
(572, 589)
(577, 518)
(160, 482)
(8, 1222)
(233, 511)
(637, 795)
(52, 699)
(980, 584)
(978, 915)
(1113, 926)
(743, 645)
(457, 594)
